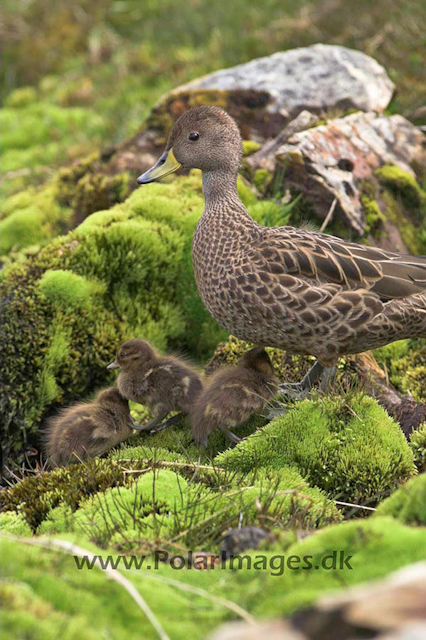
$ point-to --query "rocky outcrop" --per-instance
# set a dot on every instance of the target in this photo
(332, 161)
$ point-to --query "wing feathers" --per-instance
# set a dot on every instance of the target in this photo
(324, 260)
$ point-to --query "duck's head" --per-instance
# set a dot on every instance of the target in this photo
(134, 353)
(258, 360)
(205, 138)
(111, 396)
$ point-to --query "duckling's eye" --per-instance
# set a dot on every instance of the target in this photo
(193, 136)
(123, 354)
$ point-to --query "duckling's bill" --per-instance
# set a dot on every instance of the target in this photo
(165, 165)
(113, 365)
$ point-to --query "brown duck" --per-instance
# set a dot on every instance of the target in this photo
(294, 289)
(88, 429)
(233, 395)
(162, 383)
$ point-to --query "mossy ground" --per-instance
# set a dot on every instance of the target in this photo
(45, 592)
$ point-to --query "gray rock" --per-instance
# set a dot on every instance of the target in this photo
(317, 78)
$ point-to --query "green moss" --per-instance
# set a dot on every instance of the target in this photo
(45, 597)
(349, 447)
(86, 188)
(35, 496)
(405, 362)
(418, 447)
(14, 523)
(36, 134)
(31, 218)
(44, 593)
(412, 234)
(250, 147)
(160, 507)
(408, 503)
(261, 179)
(401, 183)
(147, 452)
(21, 98)
(67, 290)
(374, 548)
(373, 215)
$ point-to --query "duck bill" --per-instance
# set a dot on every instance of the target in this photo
(113, 365)
(165, 165)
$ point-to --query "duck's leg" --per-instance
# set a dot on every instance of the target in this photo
(300, 390)
(156, 424)
(307, 382)
(327, 378)
(231, 436)
(172, 420)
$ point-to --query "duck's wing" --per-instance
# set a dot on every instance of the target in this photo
(326, 260)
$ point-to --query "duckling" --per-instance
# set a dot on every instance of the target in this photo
(233, 395)
(88, 429)
(162, 383)
(294, 289)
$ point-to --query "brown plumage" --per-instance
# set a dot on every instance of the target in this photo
(298, 290)
(88, 429)
(233, 395)
(162, 383)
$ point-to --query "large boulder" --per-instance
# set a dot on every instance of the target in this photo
(319, 78)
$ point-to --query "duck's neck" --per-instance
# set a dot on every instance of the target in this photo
(222, 200)
(219, 185)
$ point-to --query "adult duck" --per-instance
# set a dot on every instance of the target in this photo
(294, 289)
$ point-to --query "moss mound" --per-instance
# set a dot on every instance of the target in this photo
(348, 446)
(373, 547)
(408, 503)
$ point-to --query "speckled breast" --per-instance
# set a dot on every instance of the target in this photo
(232, 291)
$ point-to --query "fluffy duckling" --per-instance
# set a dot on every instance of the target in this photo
(88, 429)
(162, 383)
(233, 395)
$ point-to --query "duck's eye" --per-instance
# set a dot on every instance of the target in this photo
(193, 136)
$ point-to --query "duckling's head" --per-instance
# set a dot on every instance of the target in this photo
(111, 396)
(258, 360)
(134, 353)
(205, 138)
